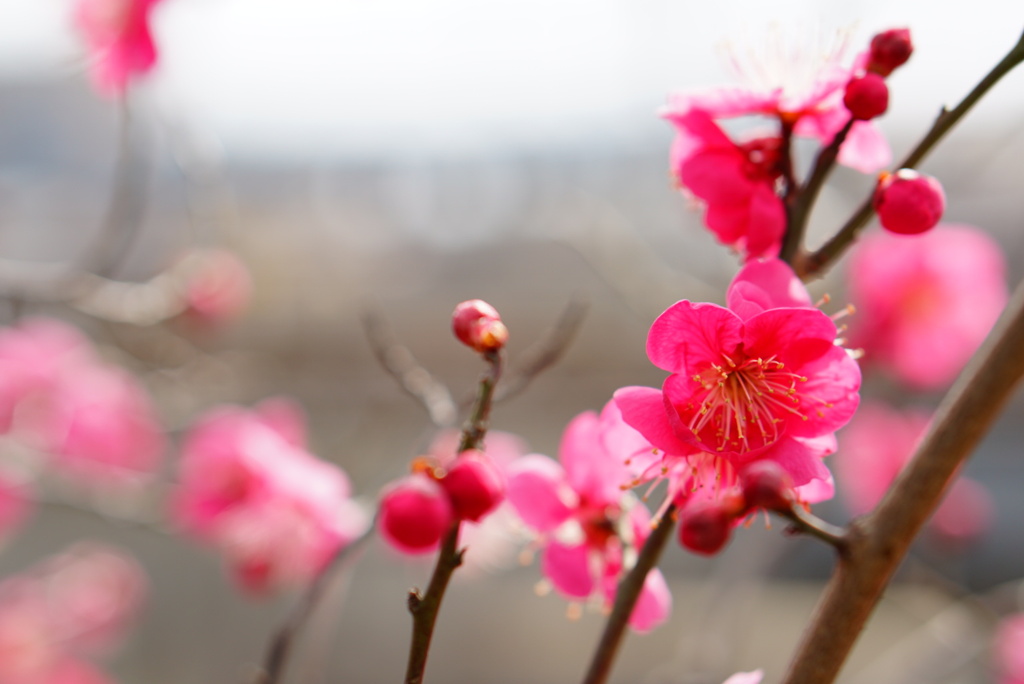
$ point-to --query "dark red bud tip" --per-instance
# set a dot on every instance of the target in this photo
(474, 486)
(866, 96)
(477, 325)
(889, 50)
(415, 512)
(908, 202)
(766, 485)
(705, 527)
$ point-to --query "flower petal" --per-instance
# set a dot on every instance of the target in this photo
(688, 337)
(765, 284)
(538, 491)
(568, 568)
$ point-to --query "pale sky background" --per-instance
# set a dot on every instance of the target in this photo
(299, 78)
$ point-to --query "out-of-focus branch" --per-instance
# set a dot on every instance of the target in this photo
(546, 352)
(876, 544)
(416, 380)
(809, 265)
(281, 644)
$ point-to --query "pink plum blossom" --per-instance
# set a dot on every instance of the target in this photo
(95, 420)
(252, 490)
(69, 609)
(118, 37)
(925, 303)
(736, 182)
(760, 380)
(1008, 650)
(587, 524)
(738, 179)
(876, 446)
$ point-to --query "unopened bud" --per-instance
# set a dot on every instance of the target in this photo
(889, 50)
(478, 325)
(474, 486)
(866, 96)
(415, 512)
(766, 485)
(908, 202)
(705, 527)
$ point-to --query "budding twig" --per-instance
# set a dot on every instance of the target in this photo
(808, 265)
(425, 607)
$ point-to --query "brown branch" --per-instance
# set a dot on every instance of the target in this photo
(799, 210)
(877, 543)
(810, 524)
(416, 380)
(425, 607)
(808, 265)
(626, 597)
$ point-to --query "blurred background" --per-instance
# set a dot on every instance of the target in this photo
(402, 156)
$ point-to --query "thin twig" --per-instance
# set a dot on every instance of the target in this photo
(808, 265)
(806, 522)
(416, 380)
(281, 644)
(547, 352)
(425, 607)
(803, 200)
(876, 544)
(626, 597)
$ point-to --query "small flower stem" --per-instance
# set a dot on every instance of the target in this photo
(808, 265)
(799, 210)
(626, 597)
(877, 543)
(808, 523)
(425, 607)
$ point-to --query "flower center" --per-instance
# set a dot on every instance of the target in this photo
(744, 403)
(763, 158)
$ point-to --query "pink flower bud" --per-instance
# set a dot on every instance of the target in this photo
(474, 486)
(767, 485)
(889, 50)
(866, 96)
(414, 514)
(478, 325)
(705, 528)
(908, 202)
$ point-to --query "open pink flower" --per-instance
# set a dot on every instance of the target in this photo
(119, 40)
(249, 487)
(736, 182)
(926, 302)
(586, 522)
(762, 379)
(876, 446)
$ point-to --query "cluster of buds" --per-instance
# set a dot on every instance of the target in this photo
(417, 510)
(867, 95)
(706, 524)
